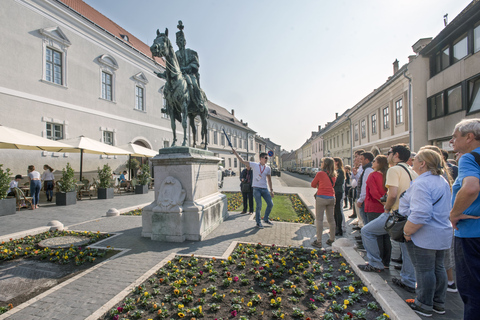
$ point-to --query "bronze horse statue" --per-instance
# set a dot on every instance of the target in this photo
(178, 96)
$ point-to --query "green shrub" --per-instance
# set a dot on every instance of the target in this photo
(67, 181)
(144, 176)
(4, 182)
(104, 176)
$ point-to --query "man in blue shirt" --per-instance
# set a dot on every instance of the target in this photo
(465, 213)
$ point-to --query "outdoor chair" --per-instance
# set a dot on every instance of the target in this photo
(88, 189)
(22, 200)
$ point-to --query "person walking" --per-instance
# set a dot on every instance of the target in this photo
(428, 231)
(35, 185)
(261, 176)
(48, 181)
(465, 214)
(339, 191)
(324, 182)
(375, 190)
(247, 190)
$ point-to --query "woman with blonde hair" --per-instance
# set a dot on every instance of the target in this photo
(428, 231)
(324, 182)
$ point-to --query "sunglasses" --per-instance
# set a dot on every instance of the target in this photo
(390, 152)
(266, 158)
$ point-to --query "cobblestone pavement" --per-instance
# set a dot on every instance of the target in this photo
(82, 296)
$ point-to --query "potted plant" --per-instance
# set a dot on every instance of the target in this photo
(7, 206)
(66, 187)
(143, 179)
(105, 191)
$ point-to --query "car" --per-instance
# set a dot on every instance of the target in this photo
(313, 172)
(276, 172)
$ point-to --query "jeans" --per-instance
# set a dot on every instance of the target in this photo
(370, 232)
(339, 212)
(48, 186)
(258, 193)
(431, 276)
(35, 186)
(324, 206)
(247, 201)
(467, 264)
(362, 214)
(384, 243)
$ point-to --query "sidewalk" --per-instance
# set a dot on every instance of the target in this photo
(93, 292)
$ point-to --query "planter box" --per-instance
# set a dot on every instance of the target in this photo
(141, 189)
(65, 198)
(8, 206)
(105, 193)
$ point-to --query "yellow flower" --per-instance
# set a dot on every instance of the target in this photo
(386, 315)
(181, 315)
(346, 302)
(249, 304)
(146, 294)
(176, 291)
(180, 306)
(272, 301)
(352, 289)
(365, 289)
(200, 309)
(282, 316)
(204, 290)
(279, 299)
(344, 306)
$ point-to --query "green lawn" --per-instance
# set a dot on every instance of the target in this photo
(283, 208)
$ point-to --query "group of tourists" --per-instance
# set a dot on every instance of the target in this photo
(434, 203)
(35, 179)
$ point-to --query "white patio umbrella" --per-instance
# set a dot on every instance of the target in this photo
(138, 151)
(11, 138)
(83, 144)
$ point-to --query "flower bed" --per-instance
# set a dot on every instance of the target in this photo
(72, 259)
(136, 212)
(255, 282)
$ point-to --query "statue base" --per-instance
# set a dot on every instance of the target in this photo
(194, 210)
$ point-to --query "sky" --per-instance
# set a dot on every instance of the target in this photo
(287, 67)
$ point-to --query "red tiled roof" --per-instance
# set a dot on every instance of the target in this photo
(102, 21)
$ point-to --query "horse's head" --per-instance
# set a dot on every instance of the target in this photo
(160, 44)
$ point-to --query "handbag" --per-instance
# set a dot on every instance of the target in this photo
(246, 187)
(394, 226)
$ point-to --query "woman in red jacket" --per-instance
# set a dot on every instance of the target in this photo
(324, 181)
(374, 207)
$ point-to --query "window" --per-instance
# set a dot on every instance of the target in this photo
(235, 162)
(139, 100)
(53, 66)
(234, 142)
(107, 86)
(165, 115)
(54, 131)
(476, 39)
(460, 49)
(108, 137)
(436, 106)
(222, 139)
(240, 143)
(473, 95)
(374, 123)
(334, 142)
(342, 140)
(338, 141)
(364, 129)
(348, 137)
(386, 118)
(399, 111)
(215, 137)
(229, 162)
(356, 132)
(454, 99)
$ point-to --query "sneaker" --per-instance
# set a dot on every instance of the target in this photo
(260, 226)
(439, 310)
(368, 268)
(268, 222)
(356, 228)
(419, 310)
(398, 282)
(353, 216)
(452, 287)
(329, 242)
(317, 244)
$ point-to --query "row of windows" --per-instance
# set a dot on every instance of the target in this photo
(386, 120)
(335, 141)
(54, 73)
(55, 132)
(468, 43)
(463, 96)
(236, 142)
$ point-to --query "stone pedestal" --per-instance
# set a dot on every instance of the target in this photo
(187, 203)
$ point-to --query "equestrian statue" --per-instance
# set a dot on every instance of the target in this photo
(182, 91)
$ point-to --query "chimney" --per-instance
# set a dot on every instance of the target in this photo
(233, 111)
(336, 115)
(319, 127)
(395, 66)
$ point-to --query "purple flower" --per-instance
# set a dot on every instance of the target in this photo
(234, 313)
(120, 309)
(313, 300)
(201, 272)
(235, 278)
(116, 317)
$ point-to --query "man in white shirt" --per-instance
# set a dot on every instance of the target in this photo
(261, 174)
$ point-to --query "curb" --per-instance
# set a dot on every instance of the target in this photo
(390, 301)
